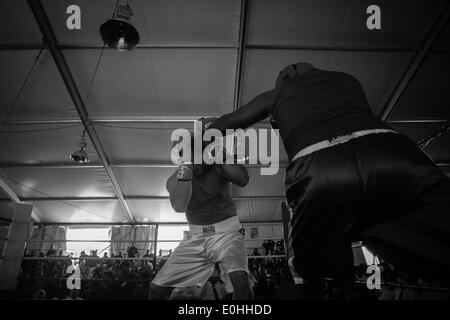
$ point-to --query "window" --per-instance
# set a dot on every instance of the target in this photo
(170, 236)
(82, 234)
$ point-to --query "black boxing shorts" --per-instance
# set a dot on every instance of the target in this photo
(378, 188)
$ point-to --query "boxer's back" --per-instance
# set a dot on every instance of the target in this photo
(320, 105)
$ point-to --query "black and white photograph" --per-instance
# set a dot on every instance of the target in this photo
(224, 158)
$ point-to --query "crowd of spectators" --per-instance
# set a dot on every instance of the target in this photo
(125, 276)
(267, 274)
(101, 278)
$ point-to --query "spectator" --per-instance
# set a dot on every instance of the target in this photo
(39, 295)
(147, 254)
(269, 246)
(279, 247)
(127, 281)
(132, 251)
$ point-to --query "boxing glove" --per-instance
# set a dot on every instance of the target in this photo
(185, 172)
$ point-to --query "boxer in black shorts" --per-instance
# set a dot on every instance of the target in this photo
(350, 178)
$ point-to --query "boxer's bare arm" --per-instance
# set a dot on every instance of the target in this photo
(235, 173)
(259, 108)
(180, 193)
(248, 114)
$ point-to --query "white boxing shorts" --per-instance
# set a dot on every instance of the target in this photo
(193, 261)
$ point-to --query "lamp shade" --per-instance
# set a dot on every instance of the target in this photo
(119, 34)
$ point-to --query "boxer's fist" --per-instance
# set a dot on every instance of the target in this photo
(206, 122)
(185, 172)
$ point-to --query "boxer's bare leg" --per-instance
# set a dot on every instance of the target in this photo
(241, 285)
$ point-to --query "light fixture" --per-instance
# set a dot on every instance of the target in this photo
(117, 32)
(81, 156)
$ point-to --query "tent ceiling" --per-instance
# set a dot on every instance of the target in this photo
(50, 182)
(336, 23)
(146, 142)
(187, 66)
(438, 149)
(136, 182)
(44, 97)
(160, 22)
(17, 24)
(79, 211)
(156, 82)
(144, 181)
(444, 40)
(378, 72)
(435, 103)
(42, 143)
(155, 210)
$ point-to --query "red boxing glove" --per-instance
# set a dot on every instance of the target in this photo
(185, 172)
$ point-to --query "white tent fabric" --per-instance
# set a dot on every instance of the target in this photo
(72, 211)
(123, 237)
(156, 82)
(45, 238)
(43, 182)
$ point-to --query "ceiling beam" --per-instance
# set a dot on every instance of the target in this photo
(50, 166)
(13, 197)
(141, 119)
(41, 121)
(169, 119)
(64, 70)
(438, 121)
(121, 165)
(8, 191)
(171, 165)
(21, 46)
(416, 62)
(329, 48)
(207, 45)
(212, 45)
(99, 166)
(241, 54)
(236, 198)
(78, 46)
(152, 198)
(272, 222)
(37, 199)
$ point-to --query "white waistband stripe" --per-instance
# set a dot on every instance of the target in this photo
(335, 141)
(222, 226)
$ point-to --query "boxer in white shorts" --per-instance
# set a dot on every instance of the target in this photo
(202, 192)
